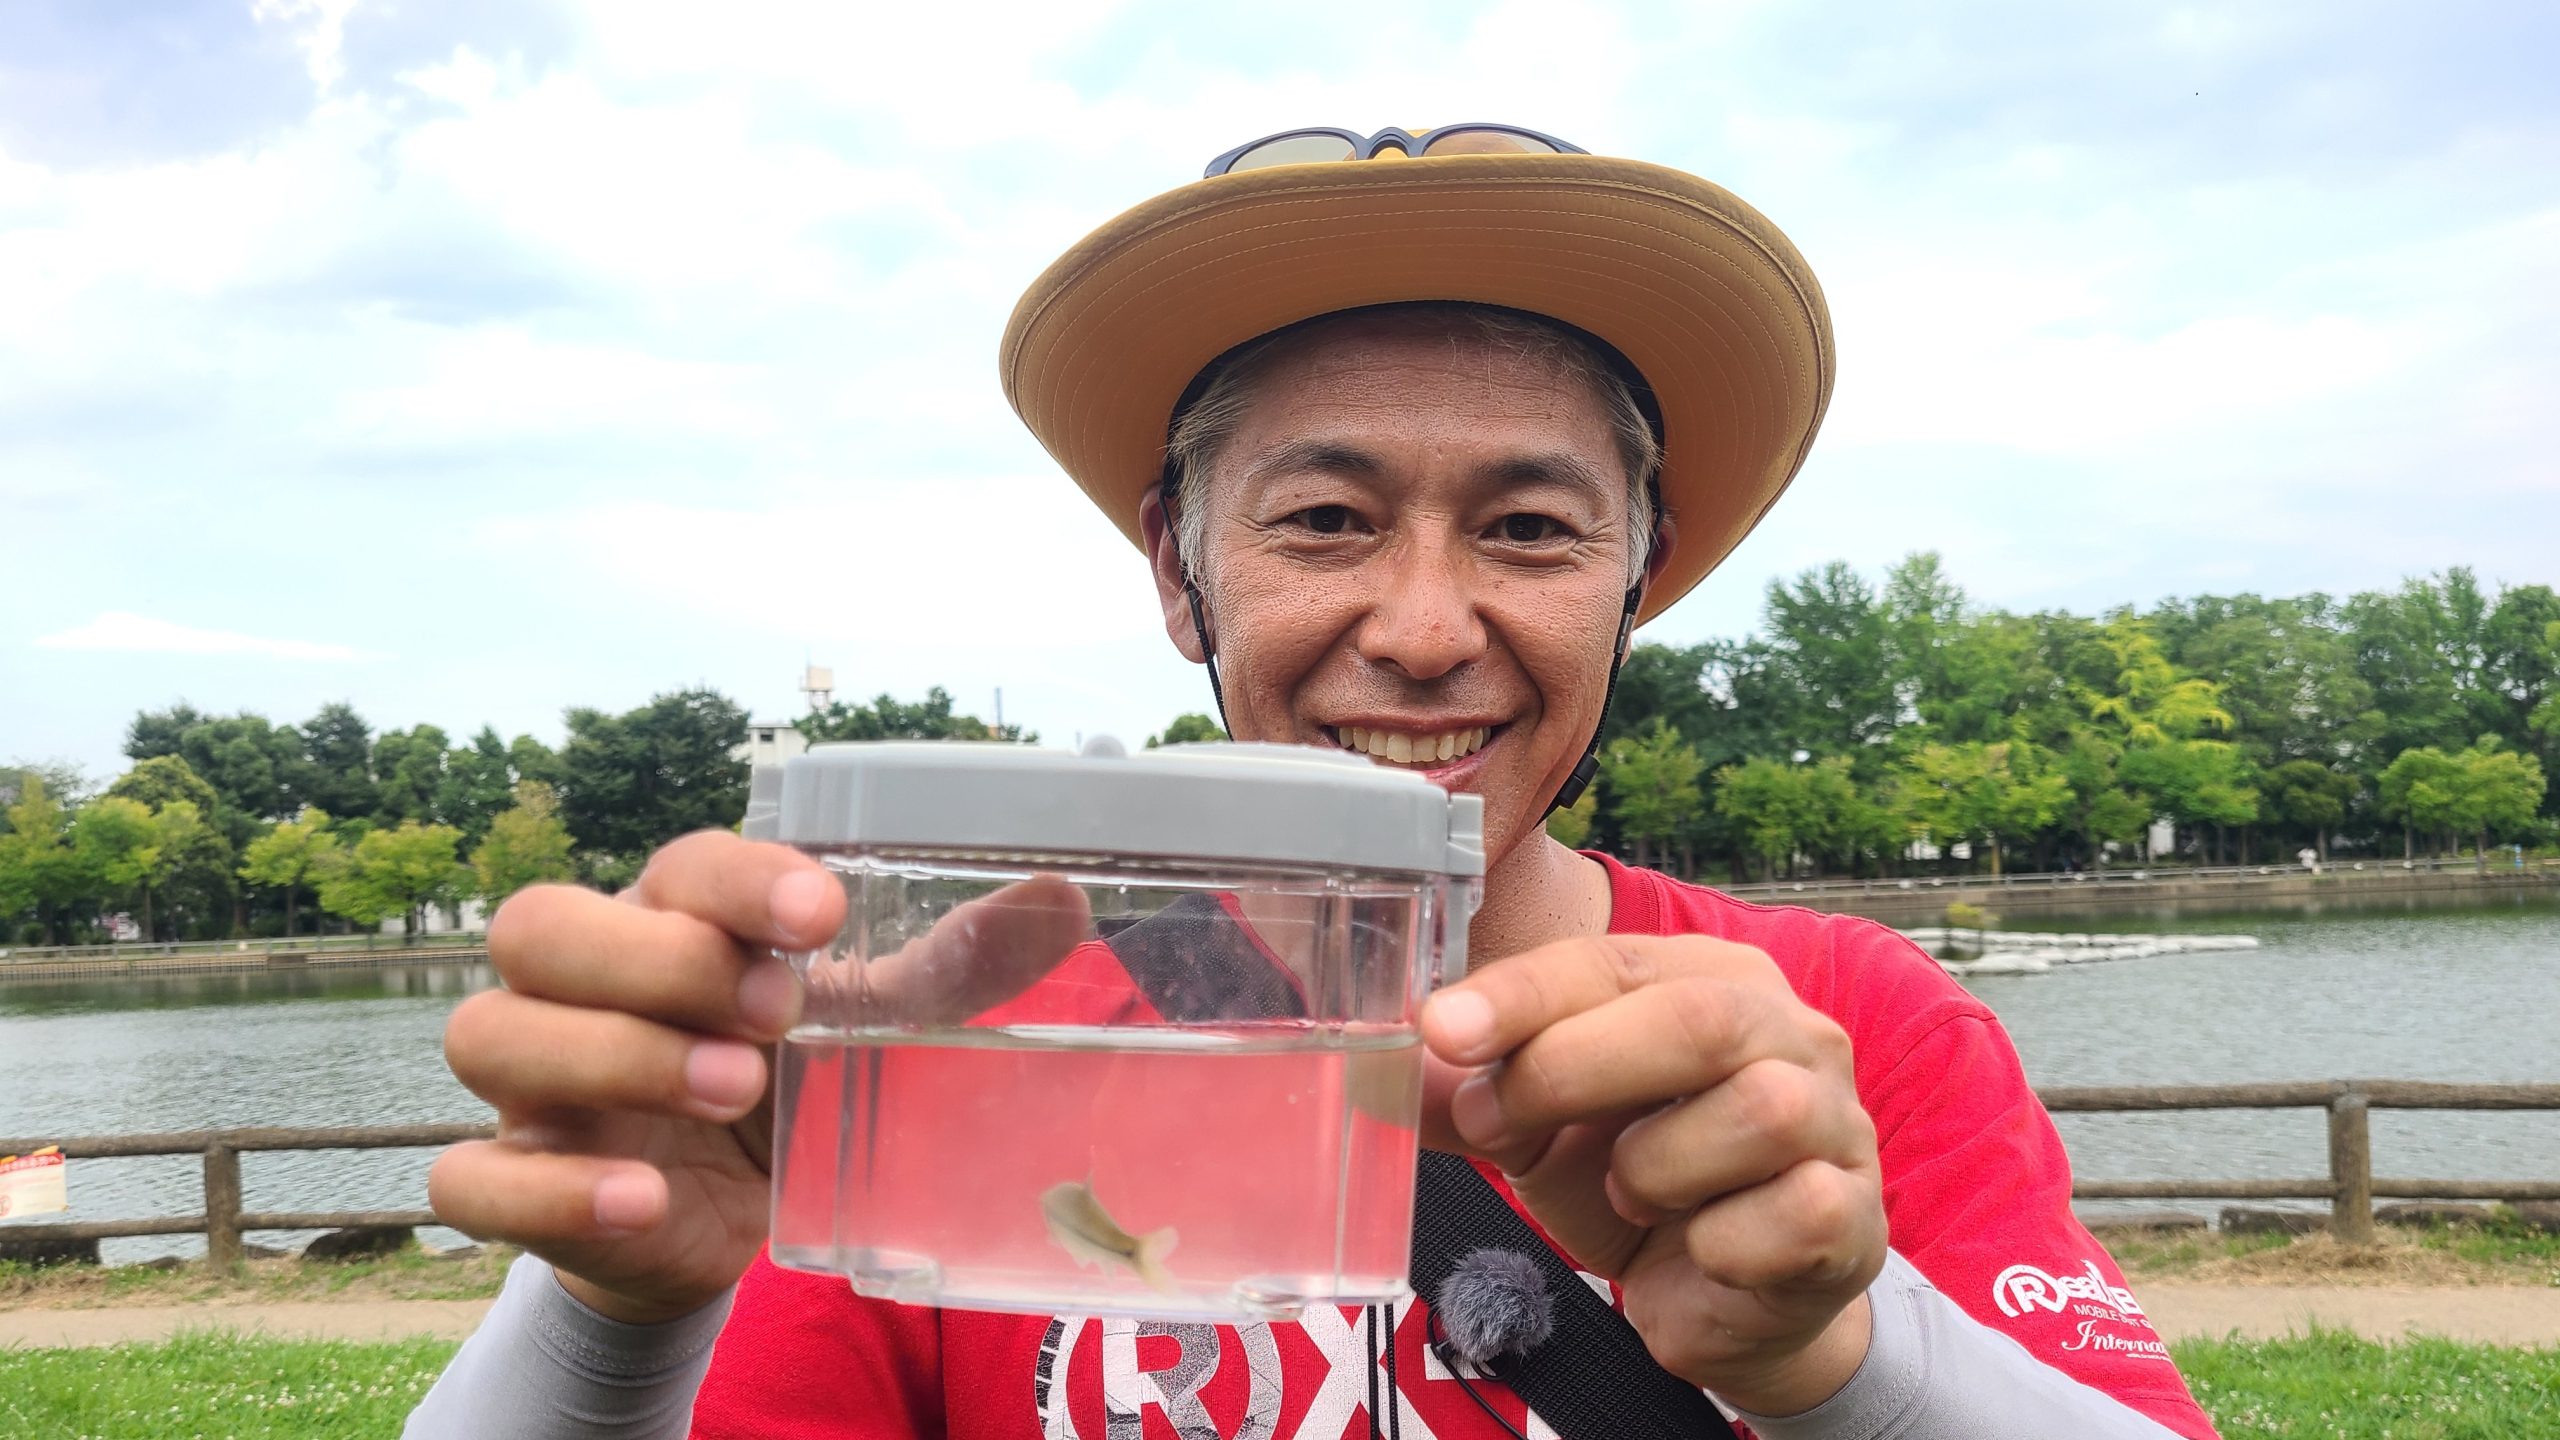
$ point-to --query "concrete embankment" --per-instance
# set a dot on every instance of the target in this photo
(1924, 900)
(232, 958)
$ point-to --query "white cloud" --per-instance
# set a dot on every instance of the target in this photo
(140, 634)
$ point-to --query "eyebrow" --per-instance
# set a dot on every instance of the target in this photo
(1337, 457)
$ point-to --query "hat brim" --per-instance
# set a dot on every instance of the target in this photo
(1706, 298)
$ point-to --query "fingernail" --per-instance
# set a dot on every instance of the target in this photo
(769, 997)
(798, 899)
(1465, 1020)
(1477, 1112)
(724, 1075)
(626, 1203)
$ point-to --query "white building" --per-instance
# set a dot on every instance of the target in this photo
(770, 742)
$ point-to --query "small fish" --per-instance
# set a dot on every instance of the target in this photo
(1086, 1231)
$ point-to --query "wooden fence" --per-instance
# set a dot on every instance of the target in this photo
(222, 1220)
(2350, 1187)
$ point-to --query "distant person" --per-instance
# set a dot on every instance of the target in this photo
(1412, 430)
(2310, 859)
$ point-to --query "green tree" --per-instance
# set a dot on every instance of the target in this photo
(2153, 703)
(2196, 782)
(191, 864)
(1187, 729)
(2100, 811)
(409, 775)
(886, 718)
(2308, 796)
(339, 746)
(192, 870)
(397, 872)
(2422, 789)
(2500, 792)
(292, 857)
(1827, 664)
(1653, 786)
(1766, 800)
(480, 779)
(39, 872)
(631, 782)
(115, 851)
(155, 782)
(526, 845)
(1996, 792)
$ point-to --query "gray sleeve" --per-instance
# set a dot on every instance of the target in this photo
(542, 1366)
(1932, 1370)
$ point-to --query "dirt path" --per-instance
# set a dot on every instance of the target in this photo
(2491, 1314)
(2494, 1314)
(296, 1320)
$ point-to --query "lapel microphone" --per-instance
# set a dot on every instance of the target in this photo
(1494, 1308)
(1491, 1312)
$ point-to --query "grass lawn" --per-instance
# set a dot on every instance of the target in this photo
(217, 1386)
(2337, 1387)
(2326, 1385)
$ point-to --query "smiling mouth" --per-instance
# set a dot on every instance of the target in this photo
(1405, 747)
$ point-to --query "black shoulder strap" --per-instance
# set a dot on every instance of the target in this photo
(1593, 1377)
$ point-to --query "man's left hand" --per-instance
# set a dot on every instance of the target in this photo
(1681, 1124)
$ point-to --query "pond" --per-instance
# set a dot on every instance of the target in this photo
(2432, 994)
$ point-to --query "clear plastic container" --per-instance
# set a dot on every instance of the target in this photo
(1114, 1034)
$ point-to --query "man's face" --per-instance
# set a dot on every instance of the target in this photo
(1416, 545)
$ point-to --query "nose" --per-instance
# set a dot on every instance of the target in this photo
(1424, 622)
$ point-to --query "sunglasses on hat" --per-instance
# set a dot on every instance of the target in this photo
(1320, 144)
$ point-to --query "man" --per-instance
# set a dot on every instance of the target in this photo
(1413, 429)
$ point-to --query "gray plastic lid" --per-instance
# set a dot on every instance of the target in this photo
(1285, 804)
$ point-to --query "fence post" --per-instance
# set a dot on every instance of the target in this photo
(2351, 1167)
(221, 1206)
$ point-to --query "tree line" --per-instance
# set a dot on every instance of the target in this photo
(1867, 728)
(1882, 728)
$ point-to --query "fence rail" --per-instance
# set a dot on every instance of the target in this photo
(2539, 869)
(2350, 1186)
(221, 1221)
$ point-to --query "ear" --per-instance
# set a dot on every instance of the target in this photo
(1155, 527)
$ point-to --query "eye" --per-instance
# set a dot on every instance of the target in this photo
(1528, 529)
(1324, 519)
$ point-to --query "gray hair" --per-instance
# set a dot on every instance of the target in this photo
(1203, 428)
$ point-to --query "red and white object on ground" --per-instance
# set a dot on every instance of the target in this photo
(33, 1184)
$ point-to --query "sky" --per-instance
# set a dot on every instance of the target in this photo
(476, 359)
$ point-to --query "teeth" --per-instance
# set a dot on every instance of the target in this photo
(1401, 748)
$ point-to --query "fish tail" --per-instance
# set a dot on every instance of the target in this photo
(1153, 1247)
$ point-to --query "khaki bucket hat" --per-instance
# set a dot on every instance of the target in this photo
(1698, 291)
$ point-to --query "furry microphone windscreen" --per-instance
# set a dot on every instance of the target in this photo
(1495, 1303)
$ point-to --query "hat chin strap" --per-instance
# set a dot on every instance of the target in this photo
(1589, 766)
(1208, 652)
(1584, 771)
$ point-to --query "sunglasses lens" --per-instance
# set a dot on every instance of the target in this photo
(1293, 150)
(1485, 142)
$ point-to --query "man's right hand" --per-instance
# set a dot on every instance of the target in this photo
(628, 1060)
